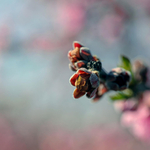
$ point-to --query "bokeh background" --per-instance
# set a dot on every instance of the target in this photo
(37, 110)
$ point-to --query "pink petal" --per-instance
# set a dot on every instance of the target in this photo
(143, 111)
(129, 118)
(146, 98)
(142, 129)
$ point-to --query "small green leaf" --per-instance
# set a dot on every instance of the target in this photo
(125, 63)
(126, 94)
(118, 96)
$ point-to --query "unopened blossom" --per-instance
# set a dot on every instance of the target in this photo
(118, 79)
(140, 70)
(86, 82)
(80, 56)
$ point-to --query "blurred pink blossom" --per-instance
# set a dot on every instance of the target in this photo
(139, 120)
(99, 138)
(57, 140)
(146, 98)
(144, 4)
(111, 27)
(9, 140)
(44, 43)
(4, 37)
(71, 19)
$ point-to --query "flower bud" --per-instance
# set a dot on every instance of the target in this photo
(94, 65)
(140, 70)
(118, 79)
(85, 53)
(86, 82)
(80, 56)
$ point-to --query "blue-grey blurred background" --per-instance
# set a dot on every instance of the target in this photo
(37, 110)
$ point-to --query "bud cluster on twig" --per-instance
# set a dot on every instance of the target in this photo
(130, 81)
(90, 77)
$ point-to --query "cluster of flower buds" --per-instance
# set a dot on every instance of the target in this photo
(86, 81)
(81, 57)
(132, 94)
(118, 79)
(140, 70)
(90, 77)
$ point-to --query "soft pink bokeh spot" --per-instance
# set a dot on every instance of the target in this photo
(96, 138)
(138, 121)
(57, 139)
(9, 140)
(110, 27)
(71, 18)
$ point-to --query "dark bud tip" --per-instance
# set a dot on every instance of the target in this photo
(95, 65)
